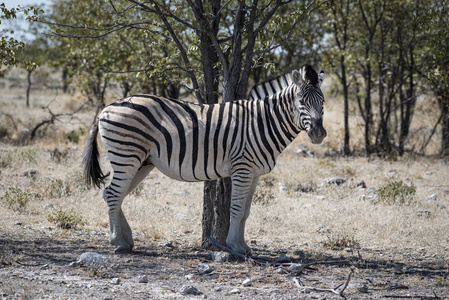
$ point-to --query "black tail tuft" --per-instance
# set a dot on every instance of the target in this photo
(92, 170)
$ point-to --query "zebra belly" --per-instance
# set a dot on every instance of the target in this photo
(186, 171)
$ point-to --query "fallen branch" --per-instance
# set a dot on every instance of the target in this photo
(414, 296)
(335, 290)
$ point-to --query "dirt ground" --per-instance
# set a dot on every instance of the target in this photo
(37, 263)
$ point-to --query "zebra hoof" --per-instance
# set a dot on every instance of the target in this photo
(123, 251)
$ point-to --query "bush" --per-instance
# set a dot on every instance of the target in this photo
(66, 219)
(4, 132)
(340, 242)
(27, 154)
(17, 199)
(5, 159)
(396, 192)
(74, 135)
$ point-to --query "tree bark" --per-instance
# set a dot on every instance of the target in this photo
(30, 71)
(445, 126)
(344, 82)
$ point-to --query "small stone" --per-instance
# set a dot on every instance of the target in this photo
(333, 181)
(204, 268)
(247, 282)
(189, 276)
(423, 213)
(441, 206)
(323, 229)
(142, 279)
(168, 244)
(361, 184)
(348, 249)
(295, 267)
(433, 197)
(219, 256)
(115, 281)
(234, 291)
(31, 173)
(189, 290)
(107, 298)
(363, 288)
(282, 187)
(218, 288)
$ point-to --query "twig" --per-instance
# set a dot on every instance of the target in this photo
(335, 290)
(29, 265)
(413, 296)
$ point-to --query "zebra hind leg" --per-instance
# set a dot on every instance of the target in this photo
(126, 229)
(122, 183)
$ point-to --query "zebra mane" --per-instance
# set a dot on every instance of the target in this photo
(270, 87)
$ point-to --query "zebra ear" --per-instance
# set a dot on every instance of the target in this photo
(321, 76)
(297, 77)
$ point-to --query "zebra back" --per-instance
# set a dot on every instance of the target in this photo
(270, 87)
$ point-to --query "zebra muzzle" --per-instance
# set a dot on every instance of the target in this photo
(317, 134)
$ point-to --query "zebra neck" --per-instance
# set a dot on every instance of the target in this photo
(280, 116)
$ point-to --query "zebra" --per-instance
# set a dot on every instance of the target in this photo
(190, 142)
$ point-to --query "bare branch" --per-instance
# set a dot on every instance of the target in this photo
(164, 14)
(335, 291)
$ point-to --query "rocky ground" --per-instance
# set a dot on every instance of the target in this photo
(42, 263)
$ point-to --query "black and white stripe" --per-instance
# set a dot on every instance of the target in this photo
(189, 142)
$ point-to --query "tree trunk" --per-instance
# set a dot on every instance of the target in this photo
(368, 113)
(30, 71)
(445, 126)
(346, 147)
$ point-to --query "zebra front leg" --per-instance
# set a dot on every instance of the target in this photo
(241, 186)
(246, 215)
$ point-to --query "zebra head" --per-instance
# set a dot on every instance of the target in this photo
(308, 102)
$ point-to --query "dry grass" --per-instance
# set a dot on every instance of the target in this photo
(302, 214)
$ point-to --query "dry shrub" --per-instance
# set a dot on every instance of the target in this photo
(263, 195)
(6, 159)
(17, 199)
(6, 257)
(396, 192)
(340, 241)
(66, 219)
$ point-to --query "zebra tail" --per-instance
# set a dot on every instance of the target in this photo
(92, 169)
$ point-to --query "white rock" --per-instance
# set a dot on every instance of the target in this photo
(234, 291)
(189, 290)
(204, 268)
(295, 267)
(189, 276)
(92, 258)
(142, 279)
(115, 281)
(219, 256)
(433, 197)
(247, 282)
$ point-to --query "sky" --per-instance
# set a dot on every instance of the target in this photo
(20, 26)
